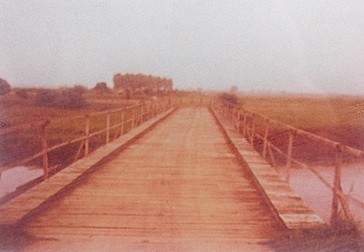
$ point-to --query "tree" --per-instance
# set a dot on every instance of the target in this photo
(80, 89)
(101, 87)
(148, 84)
(118, 81)
(4, 86)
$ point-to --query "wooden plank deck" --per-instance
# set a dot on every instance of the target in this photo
(177, 188)
(14, 211)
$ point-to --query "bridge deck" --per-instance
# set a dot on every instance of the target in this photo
(178, 187)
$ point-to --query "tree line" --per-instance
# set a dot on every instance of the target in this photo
(147, 84)
(74, 97)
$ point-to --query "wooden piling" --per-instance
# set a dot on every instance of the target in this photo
(108, 128)
(87, 132)
(45, 150)
(265, 139)
(289, 155)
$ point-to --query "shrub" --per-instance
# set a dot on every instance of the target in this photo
(102, 87)
(80, 89)
(4, 87)
(229, 98)
(67, 98)
(46, 98)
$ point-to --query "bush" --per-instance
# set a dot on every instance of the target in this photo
(46, 98)
(80, 89)
(67, 98)
(102, 87)
(229, 98)
(71, 98)
(4, 87)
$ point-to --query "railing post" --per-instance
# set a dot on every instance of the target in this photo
(289, 155)
(236, 112)
(45, 150)
(337, 178)
(337, 190)
(238, 121)
(151, 106)
(265, 140)
(244, 125)
(253, 131)
(141, 113)
(87, 132)
(271, 154)
(108, 127)
(148, 111)
(122, 123)
(132, 118)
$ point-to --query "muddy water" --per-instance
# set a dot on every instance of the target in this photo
(15, 177)
(319, 197)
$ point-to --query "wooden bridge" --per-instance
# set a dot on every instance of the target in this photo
(182, 180)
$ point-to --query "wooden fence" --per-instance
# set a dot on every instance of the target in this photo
(109, 124)
(247, 122)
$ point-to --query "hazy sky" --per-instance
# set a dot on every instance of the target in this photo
(294, 46)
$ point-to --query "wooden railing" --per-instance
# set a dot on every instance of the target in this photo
(111, 123)
(246, 123)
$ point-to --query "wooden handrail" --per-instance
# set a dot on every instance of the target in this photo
(338, 194)
(44, 124)
(350, 150)
(9, 129)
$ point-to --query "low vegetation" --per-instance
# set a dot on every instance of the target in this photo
(318, 241)
(339, 118)
(63, 98)
(42, 104)
(229, 98)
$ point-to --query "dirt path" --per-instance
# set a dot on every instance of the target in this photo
(177, 188)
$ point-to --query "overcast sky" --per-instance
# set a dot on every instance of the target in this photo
(294, 46)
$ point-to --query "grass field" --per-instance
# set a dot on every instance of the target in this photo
(19, 145)
(339, 118)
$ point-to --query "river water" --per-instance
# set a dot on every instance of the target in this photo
(17, 176)
(319, 197)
